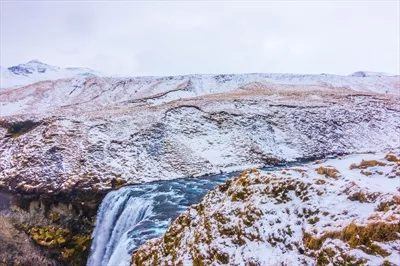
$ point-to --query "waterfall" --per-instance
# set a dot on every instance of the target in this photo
(130, 216)
(119, 213)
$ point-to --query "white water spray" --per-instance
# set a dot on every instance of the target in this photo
(132, 215)
(119, 213)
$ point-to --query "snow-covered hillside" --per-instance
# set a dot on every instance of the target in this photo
(98, 143)
(90, 94)
(34, 71)
(343, 211)
(76, 138)
(89, 132)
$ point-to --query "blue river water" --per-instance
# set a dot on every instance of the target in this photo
(131, 215)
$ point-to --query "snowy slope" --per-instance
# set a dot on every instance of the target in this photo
(74, 148)
(85, 132)
(34, 71)
(343, 211)
(90, 94)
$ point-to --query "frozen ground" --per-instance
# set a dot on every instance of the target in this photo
(342, 211)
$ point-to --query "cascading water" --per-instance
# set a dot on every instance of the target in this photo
(119, 212)
(132, 215)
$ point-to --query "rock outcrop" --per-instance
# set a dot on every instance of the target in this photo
(343, 211)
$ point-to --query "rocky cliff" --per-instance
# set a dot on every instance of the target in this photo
(98, 134)
(344, 211)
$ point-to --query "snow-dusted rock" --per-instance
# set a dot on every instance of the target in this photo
(343, 211)
(96, 133)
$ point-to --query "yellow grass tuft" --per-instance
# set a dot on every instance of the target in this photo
(367, 163)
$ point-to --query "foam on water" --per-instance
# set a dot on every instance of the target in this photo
(131, 215)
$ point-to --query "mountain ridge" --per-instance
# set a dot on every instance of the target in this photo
(99, 93)
(36, 71)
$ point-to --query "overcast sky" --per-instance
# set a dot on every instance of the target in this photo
(167, 38)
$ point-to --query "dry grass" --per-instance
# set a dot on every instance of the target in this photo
(363, 197)
(328, 172)
(366, 173)
(366, 164)
(385, 206)
(392, 158)
(361, 237)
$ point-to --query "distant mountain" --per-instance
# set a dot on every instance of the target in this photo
(34, 71)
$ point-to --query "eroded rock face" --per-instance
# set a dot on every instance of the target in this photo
(95, 134)
(295, 216)
(104, 150)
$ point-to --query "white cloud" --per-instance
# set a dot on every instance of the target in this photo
(167, 38)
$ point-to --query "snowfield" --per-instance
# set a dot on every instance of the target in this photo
(94, 94)
(98, 133)
(342, 211)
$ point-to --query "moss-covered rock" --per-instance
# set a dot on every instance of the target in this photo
(74, 248)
